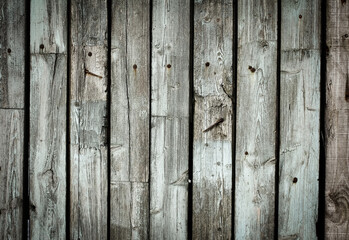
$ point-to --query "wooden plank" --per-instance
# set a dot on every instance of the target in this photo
(256, 119)
(299, 119)
(11, 173)
(170, 119)
(130, 103)
(88, 120)
(48, 146)
(212, 153)
(337, 121)
(12, 27)
(48, 26)
(48, 99)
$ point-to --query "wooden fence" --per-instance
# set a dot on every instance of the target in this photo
(174, 119)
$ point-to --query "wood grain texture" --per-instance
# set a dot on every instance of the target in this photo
(299, 119)
(337, 121)
(12, 28)
(170, 119)
(212, 153)
(130, 103)
(47, 160)
(88, 120)
(48, 26)
(256, 120)
(11, 173)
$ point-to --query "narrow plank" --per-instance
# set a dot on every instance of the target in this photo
(11, 173)
(299, 119)
(130, 103)
(170, 119)
(88, 120)
(47, 157)
(48, 99)
(256, 119)
(337, 121)
(212, 153)
(12, 27)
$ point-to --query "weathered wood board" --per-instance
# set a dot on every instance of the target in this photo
(130, 113)
(299, 119)
(337, 121)
(12, 39)
(213, 90)
(48, 100)
(47, 158)
(11, 173)
(169, 119)
(256, 119)
(88, 120)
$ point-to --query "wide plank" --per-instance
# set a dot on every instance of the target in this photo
(299, 119)
(12, 41)
(170, 83)
(256, 119)
(11, 173)
(337, 121)
(88, 120)
(130, 113)
(213, 115)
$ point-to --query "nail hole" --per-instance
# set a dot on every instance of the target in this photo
(246, 153)
(42, 46)
(134, 66)
(346, 35)
(295, 180)
(168, 65)
(207, 64)
(300, 16)
(9, 50)
(89, 54)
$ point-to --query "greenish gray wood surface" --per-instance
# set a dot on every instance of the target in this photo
(169, 119)
(130, 113)
(337, 121)
(212, 147)
(48, 100)
(12, 40)
(256, 120)
(11, 173)
(88, 120)
(299, 119)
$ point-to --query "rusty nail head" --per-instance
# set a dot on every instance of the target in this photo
(135, 66)
(300, 16)
(42, 46)
(295, 180)
(89, 54)
(246, 153)
(207, 64)
(168, 65)
(9, 50)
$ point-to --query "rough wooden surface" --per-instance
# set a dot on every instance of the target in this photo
(48, 146)
(299, 119)
(169, 119)
(11, 173)
(88, 119)
(212, 153)
(12, 28)
(256, 119)
(48, 26)
(337, 121)
(130, 102)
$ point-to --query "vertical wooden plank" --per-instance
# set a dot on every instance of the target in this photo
(47, 157)
(88, 119)
(130, 103)
(299, 119)
(337, 121)
(256, 119)
(170, 119)
(11, 173)
(212, 154)
(12, 27)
